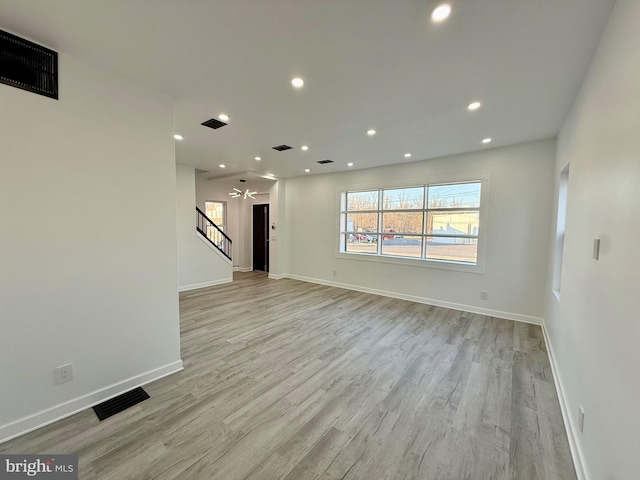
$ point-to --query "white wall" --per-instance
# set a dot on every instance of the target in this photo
(240, 216)
(520, 197)
(593, 329)
(199, 263)
(87, 244)
(278, 254)
(208, 190)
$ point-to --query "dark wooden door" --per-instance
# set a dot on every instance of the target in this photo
(261, 237)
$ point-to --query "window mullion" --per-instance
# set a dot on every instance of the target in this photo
(379, 233)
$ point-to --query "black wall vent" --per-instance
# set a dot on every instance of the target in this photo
(323, 162)
(28, 66)
(120, 403)
(282, 148)
(214, 123)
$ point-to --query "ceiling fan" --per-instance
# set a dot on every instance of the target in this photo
(239, 193)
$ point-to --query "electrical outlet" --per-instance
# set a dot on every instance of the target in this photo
(484, 295)
(335, 273)
(581, 418)
(64, 373)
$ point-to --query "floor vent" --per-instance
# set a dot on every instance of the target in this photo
(120, 403)
(324, 162)
(214, 123)
(282, 148)
(26, 65)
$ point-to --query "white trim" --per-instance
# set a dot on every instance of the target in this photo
(413, 262)
(76, 405)
(429, 301)
(572, 431)
(206, 241)
(212, 283)
(279, 276)
(224, 212)
(245, 269)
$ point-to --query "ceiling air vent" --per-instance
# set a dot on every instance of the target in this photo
(28, 66)
(282, 148)
(324, 162)
(214, 123)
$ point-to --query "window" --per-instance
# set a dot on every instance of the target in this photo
(435, 222)
(217, 213)
(560, 227)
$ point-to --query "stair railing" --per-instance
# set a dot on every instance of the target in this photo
(213, 233)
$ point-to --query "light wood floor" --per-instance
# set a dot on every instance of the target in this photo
(290, 380)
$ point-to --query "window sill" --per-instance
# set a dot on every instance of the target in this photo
(413, 262)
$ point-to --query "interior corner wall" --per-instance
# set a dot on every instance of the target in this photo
(88, 244)
(245, 207)
(519, 211)
(199, 263)
(240, 217)
(277, 230)
(593, 327)
(211, 190)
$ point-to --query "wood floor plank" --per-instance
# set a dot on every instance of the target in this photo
(286, 380)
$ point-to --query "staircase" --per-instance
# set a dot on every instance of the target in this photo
(212, 232)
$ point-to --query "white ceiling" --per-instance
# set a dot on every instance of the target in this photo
(367, 64)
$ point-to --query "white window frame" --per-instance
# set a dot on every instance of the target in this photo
(561, 220)
(478, 267)
(222, 226)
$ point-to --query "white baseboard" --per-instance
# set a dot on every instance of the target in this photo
(569, 424)
(195, 286)
(429, 301)
(245, 269)
(279, 276)
(76, 405)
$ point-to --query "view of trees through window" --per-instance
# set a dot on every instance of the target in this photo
(433, 222)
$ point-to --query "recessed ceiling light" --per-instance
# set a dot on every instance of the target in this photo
(304, 148)
(222, 165)
(371, 132)
(474, 106)
(441, 12)
(407, 155)
(178, 136)
(258, 158)
(486, 140)
(350, 164)
(224, 117)
(307, 170)
(297, 82)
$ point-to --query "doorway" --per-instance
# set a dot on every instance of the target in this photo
(261, 237)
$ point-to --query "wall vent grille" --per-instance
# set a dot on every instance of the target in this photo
(120, 403)
(28, 66)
